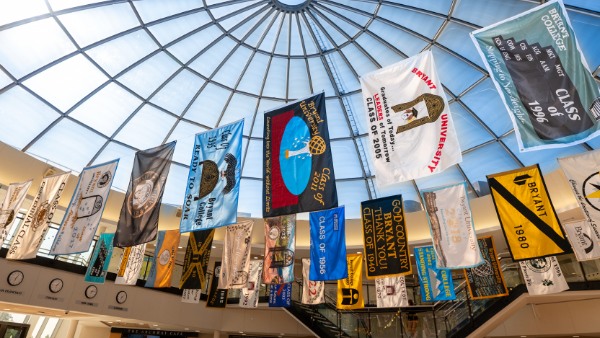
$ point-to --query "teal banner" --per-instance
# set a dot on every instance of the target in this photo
(542, 77)
(436, 284)
(96, 271)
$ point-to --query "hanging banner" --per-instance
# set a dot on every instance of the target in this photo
(250, 293)
(451, 227)
(543, 276)
(15, 195)
(298, 170)
(384, 237)
(313, 292)
(138, 222)
(350, 289)
(195, 261)
(216, 297)
(280, 295)
(328, 245)
(131, 265)
(96, 270)
(280, 245)
(213, 185)
(28, 238)
(436, 284)
(486, 280)
(411, 129)
(236, 255)
(83, 214)
(191, 296)
(583, 173)
(391, 291)
(165, 253)
(526, 213)
(583, 240)
(542, 77)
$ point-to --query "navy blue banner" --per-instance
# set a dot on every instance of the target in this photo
(280, 295)
(328, 245)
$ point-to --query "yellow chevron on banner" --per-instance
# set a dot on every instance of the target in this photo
(350, 293)
(528, 219)
(165, 259)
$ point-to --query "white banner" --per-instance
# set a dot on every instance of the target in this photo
(583, 174)
(249, 295)
(391, 291)
(313, 292)
(15, 195)
(582, 239)
(451, 226)
(410, 127)
(131, 264)
(543, 276)
(236, 256)
(85, 210)
(30, 235)
(191, 296)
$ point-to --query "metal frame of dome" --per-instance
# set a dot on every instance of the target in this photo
(333, 36)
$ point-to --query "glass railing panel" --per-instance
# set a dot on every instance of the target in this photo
(385, 325)
(571, 268)
(591, 270)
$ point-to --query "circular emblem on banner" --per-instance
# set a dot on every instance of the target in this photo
(104, 179)
(591, 190)
(539, 265)
(6, 217)
(164, 257)
(40, 217)
(483, 270)
(218, 270)
(145, 193)
(274, 232)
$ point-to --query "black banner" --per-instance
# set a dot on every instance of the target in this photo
(196, 259)
(298, 169)
(384, 236)
(216, 297)
(486, 280)
(138, 222)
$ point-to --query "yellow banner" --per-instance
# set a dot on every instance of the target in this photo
(528, 219)
(165, 259)
(350, 293)
(123, 266)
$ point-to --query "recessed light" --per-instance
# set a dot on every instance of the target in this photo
(180, 247)
(411, 255)
(214, 247)
(110, 322)
(358, 252)
(523, 336)
(154, 324)
(118, 320)
(6, 309)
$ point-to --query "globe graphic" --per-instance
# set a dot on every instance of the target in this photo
(317, 145)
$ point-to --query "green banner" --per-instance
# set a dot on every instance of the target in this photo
(542, 77)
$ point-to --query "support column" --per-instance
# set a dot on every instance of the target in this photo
(72, 328)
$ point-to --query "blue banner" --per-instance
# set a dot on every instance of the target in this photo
(96, 271)
(213, 185)
(328, 245)
(436, 284)
(280, 295)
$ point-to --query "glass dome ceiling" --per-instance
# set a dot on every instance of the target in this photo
(84, 81)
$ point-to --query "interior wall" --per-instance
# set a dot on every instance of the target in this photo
(142, 304)
(85, 331)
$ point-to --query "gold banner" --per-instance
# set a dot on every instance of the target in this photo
(165, 259)
(528, 219)
(350, 293)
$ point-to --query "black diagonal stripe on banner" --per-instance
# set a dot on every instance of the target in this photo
(530, 215)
